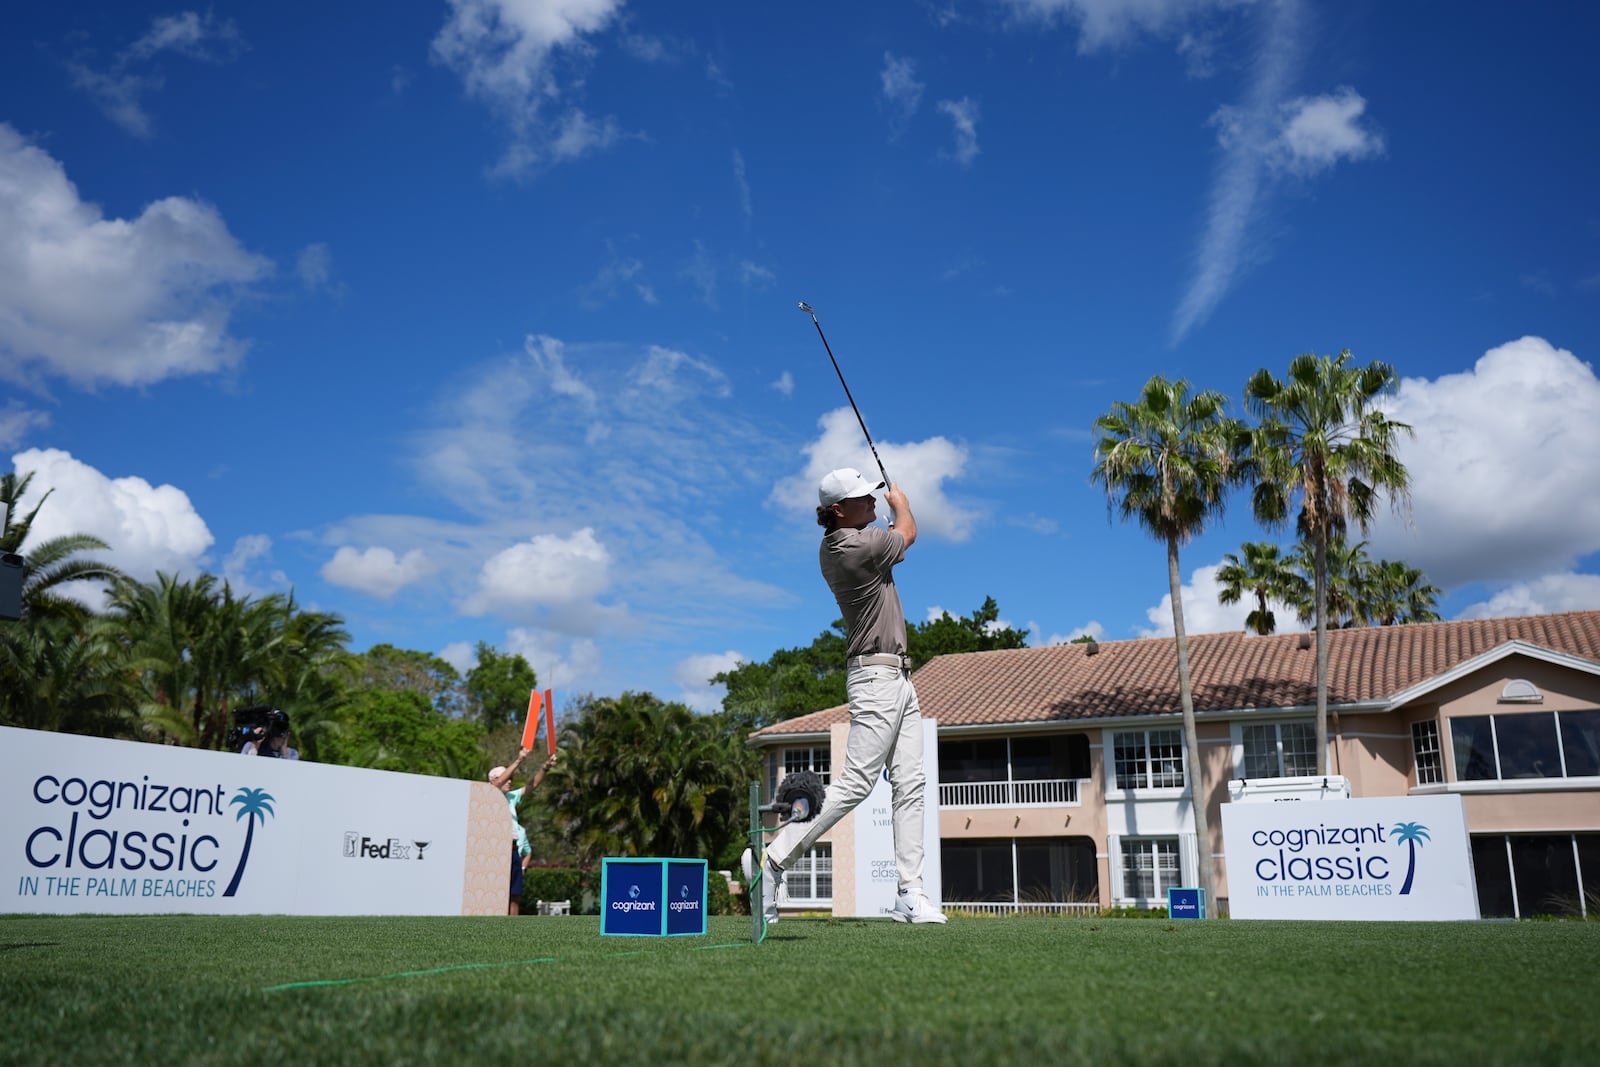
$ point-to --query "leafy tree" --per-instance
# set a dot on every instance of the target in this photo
(639, 777)
(1167, 461)
(978, 632)
(1400, 594)
(1265, 575)
(384, 666)
(399, 730)
(54, 676)
(1323, 440)
(791, 682)
(498, 687)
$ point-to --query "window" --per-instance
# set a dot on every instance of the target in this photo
(1031, 870)
(1519, 875)
(1149, 759)
(807, 759)
(1541, 744)
(1149, 867)
(811, 876)
(1037, 758)
(1425, 750)
(1279, 749)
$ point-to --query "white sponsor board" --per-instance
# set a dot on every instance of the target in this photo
(877, 877)
(1369, 858)
(95, 825)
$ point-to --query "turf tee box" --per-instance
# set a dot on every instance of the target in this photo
(648, 897)
(125, 827)
(1371, 858)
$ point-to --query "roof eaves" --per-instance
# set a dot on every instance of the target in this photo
(1514, 647)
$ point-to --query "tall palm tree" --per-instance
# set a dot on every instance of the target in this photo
(1167, 461)
(1323, 440)
(1266, 575)
(1348, 581)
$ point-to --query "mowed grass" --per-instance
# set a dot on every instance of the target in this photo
(548, 990)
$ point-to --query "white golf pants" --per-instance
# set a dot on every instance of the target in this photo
(885, 730)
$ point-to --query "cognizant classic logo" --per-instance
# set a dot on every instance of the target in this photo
(1333, 860)
(685, 901)
(141, 838)
(633, 903)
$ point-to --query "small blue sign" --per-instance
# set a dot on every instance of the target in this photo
(1186, 903)
(649, 897)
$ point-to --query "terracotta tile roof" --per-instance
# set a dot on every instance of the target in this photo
(1231, 672)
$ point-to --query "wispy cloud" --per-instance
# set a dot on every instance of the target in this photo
(963, 115)
(119, 89)
(515, 57)
(901, 91)
(742, 187)
(1249, 137)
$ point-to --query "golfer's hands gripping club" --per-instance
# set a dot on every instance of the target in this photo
(900, 513)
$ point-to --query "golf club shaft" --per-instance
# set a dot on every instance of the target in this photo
(863, 422)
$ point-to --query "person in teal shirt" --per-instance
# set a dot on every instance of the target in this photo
(521, 851)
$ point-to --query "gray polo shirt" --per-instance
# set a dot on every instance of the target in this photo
(859, 567)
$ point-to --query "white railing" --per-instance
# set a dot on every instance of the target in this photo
(1039, 793)
(989, 907)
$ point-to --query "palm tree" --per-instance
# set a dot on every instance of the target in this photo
(1412, 834)
(253, 804)
(1323, 439)
(1348, 581)
(1264, 574)
(1399, 595)
(1167, 462)
(50, 565)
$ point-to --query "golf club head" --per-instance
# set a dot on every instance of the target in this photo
(806, 308)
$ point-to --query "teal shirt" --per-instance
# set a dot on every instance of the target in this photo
(518, 834)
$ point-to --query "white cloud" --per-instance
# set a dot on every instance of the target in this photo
(694, 674)
(461, 655)
(755, 276)
(96, 300)
(963, 116)
(511, 55)
(1503, 465)
(1318, 131)
(784, 384)
(1203, 613)
(240, 570)
(619, 272)
(149, 528)
(701, 272)
(902, 92)
(17, 421)
(1548, 594)
(376, 571)
(545, 571)
(559, 664)
(920, 468)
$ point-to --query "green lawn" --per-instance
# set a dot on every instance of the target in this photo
(1040, 992)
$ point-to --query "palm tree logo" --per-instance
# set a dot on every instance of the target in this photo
(1410, 834)
(253, 804)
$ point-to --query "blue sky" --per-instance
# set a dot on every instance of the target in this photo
(477, 320)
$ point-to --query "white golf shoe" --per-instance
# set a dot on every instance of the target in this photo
(914, 907)
(768, 879)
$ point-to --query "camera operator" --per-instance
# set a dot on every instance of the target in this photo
(271, 740)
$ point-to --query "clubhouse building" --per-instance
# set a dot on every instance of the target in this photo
(1063, 784)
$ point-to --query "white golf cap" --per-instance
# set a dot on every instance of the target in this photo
(843, 484)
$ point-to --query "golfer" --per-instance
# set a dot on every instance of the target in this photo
(521, 850)
(858, 561)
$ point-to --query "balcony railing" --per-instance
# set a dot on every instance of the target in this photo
(1043, 792)
(989, 907)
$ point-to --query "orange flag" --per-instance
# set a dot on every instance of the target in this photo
(549, 721)
(530, 727)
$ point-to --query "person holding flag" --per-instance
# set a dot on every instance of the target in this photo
(521, 851)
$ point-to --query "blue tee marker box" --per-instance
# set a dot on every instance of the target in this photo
(1186, 903)
(647, 897)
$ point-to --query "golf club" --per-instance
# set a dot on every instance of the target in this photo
(807, 309)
